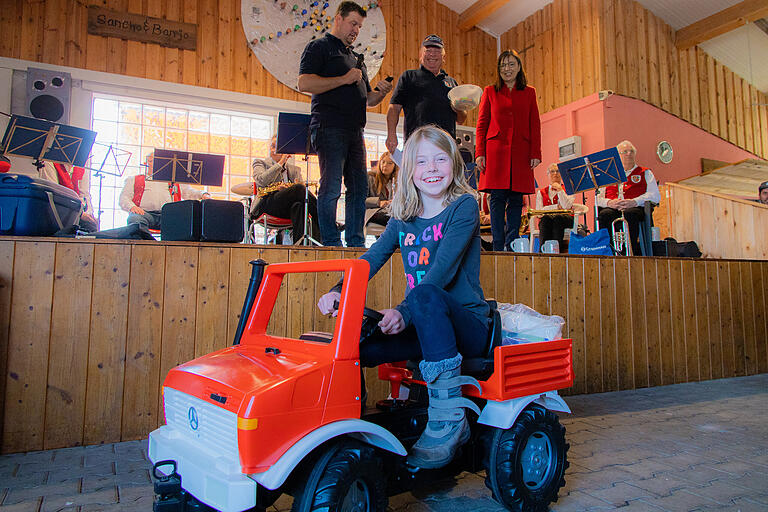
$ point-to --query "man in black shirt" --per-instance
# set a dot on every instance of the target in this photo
(423, 94)
(338, 81)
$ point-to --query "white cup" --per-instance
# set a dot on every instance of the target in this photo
(655, 234)
(520, 245)
(551, 247)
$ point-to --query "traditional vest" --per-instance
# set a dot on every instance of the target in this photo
(140, 183)
(635, 186)
(71, 182)
(546, 201)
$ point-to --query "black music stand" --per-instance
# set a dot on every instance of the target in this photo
(293, 139)
(43, 140)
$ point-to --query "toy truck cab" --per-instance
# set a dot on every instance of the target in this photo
(280, 414)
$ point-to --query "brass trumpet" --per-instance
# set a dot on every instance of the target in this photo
(263, 191)
(537, 213)
(620, 238)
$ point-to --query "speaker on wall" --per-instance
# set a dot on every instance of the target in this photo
(465, 139)
(48, 95)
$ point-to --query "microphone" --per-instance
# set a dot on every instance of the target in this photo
(388, 79)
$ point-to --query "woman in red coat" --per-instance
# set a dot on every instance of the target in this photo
(508, 146)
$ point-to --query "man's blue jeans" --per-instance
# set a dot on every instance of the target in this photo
(510, 203)
(341, 153)
(149, 219)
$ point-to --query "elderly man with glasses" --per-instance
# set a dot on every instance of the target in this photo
(423, 95)
(639, 188)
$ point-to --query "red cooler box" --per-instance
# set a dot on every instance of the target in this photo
(35, 207)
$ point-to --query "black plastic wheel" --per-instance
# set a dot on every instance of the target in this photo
(348, 478)
(527, 462)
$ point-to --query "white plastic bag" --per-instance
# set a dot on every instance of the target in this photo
(521, 324)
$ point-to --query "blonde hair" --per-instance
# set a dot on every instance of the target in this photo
(380, 179)
(406, 203)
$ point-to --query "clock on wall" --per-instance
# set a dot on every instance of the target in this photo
(664, 152)
(278, 31)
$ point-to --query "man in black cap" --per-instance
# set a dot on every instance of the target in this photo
(762, 193)
(423, 94)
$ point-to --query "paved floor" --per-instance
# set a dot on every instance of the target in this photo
(688, 447)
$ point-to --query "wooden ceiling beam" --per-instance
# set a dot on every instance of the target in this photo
(720, 23)
(478, 12)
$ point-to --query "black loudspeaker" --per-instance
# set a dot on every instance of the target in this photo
(465, 139)
(222, 221)
(48, 95)
(181, 221)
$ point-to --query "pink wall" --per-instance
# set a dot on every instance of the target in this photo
(601, 124)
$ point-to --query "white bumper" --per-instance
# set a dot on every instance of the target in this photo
(213, 479)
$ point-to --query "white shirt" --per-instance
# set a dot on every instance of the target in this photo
(652, 193)
(564, 201)
(156, 194)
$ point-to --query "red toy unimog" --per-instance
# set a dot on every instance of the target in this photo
(273, 415)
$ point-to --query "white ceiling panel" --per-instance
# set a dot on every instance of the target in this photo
(744, 51)
(681, 13)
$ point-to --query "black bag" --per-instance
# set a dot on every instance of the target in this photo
(133, 231)
(671, 248)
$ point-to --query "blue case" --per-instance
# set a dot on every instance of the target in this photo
(27, 206)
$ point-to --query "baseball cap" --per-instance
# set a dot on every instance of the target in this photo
(762, 186)
(433, 40)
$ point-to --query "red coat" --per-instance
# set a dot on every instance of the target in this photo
(508, 136)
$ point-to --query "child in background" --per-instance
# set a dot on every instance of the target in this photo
(435, 224)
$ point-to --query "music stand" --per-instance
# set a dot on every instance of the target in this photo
(43, 140)
(293, 139)
(114, 158)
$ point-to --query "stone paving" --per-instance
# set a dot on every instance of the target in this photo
(688, 447)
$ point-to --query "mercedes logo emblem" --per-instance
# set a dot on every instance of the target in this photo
(193, 421)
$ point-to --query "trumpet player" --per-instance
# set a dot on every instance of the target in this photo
(285, 190)
(639, 188)
(553, 197)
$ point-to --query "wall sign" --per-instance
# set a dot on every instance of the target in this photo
(136, 27)
(278, 31)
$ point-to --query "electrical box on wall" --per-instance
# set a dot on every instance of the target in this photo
(568, 148)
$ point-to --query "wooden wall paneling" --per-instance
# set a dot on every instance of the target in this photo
(10, 16)
(278, 321)
(95, 48)
(239, 277)
(746, 98)
(68, 352)
(172, 69)
(6, 280)
(690, 331)
(505, 278)
(739, 366)
(610, 61)
(714, 321)
(694, 80)
(577, 303)
(136, 52)
(730, 106)
(188, 57)
(666, 347)
(116, 48)
(53, 33)
(627, 325)
(488, 275)
(325, 281)
(593, 334)
(638, 327)
(704, 86)
(739, 108)
(748, 311)
(663, 44)
(640, 34)
(653, 319)
(225, 27)
(106, 354)
(591, 54)
(701, 315)
(578, 50)
(207, 36)
(154, 53)
(541, 285)
(300, 315)
(677, 332)
(32, 31)
(608, 324)
(241, 51)
(726, 319)
(762, 100)
(632, 55)
(722, 112)
(598, 38)
(212, 313)
(28, 343)
(142, 405)
(179, 306)
(524, 280)
(673, 55)
(713, 94)
(549, 72)
(560, 57)
(759, 284)
(754, 114)
(558, 290)
(685, 93)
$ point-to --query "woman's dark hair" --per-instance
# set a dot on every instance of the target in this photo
(347, 7)
(520, 81)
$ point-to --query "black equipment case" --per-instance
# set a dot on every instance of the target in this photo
(209, 220)
(35, 207)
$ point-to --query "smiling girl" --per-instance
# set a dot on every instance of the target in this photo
(444, 316)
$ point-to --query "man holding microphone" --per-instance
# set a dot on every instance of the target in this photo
(338, 81)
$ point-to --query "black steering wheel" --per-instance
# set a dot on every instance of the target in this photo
(371, 319)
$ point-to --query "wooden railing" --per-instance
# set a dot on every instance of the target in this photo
(90, 328)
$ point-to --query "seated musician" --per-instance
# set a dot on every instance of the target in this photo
(639, 188)
(284, 187)
(143, 199)
(380, 190)
(553, 197)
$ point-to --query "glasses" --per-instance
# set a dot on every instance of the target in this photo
(627, 152)
(507, 65)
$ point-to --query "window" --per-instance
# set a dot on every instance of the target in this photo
(139, 127)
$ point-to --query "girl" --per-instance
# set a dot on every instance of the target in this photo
(380, 185)
(435, 224)
(508, 146)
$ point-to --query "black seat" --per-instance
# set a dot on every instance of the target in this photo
(482, 367)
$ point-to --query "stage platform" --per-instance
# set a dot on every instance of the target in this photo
(90, 328)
